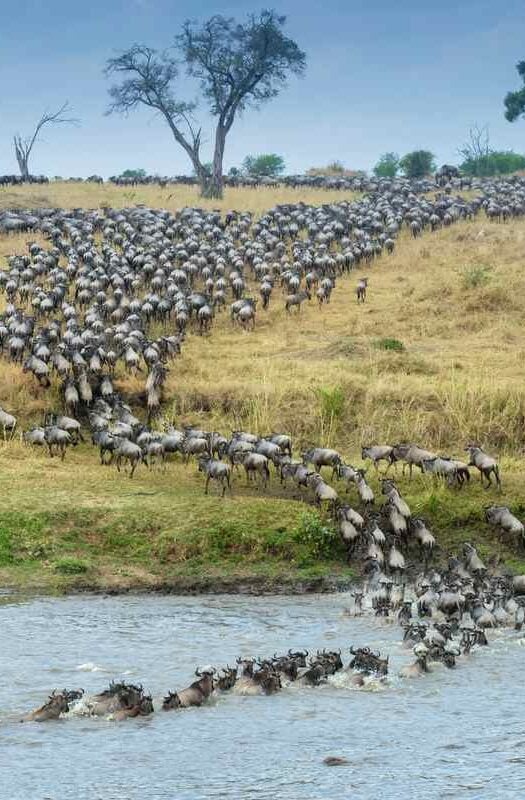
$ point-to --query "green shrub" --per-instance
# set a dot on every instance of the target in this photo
(418, 163)
(267, 164)
(6, 548)
(387, 166)
(389, 344)
(475, 276)
(71, 566)
(321, 539)
(497, 162)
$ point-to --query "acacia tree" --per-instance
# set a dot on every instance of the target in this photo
(24, 146)
(268, 165)
(418, 163)
(515, 101)
(237, 66)
(387, 166)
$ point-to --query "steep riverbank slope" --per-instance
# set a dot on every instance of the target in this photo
(435, 356)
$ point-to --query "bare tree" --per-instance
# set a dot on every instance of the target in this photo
(23, 147)
(149, 84)
(478, 144)
(237, 65)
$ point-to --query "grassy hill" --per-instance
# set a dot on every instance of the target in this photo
(436, 356)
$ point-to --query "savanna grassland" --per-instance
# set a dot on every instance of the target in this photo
(436, 356)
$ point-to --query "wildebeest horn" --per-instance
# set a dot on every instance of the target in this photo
(197, 673)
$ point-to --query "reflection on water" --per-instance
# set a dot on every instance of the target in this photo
(453, 734)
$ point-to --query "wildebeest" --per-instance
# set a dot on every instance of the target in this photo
(361, 290)
(57, 704)
(215, 470)
(297, 299)
(7, 422)
(502, 518)
(196, 693)
(487, 465)
(377, 453)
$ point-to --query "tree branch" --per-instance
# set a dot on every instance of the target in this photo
(23, 147)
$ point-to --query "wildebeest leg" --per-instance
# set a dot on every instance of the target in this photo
(50, 446)
(207, 483)
(133, 467)
(62, 452)
(410, 470)
(118, 463)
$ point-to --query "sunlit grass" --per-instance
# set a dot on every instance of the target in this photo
(87, 195)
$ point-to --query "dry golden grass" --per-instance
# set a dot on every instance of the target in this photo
(87, 195)
(459, 376)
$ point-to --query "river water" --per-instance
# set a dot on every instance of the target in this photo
(452, 734)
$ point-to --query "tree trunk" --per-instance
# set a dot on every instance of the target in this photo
(213, 185)
(24, 168)
(23, 158)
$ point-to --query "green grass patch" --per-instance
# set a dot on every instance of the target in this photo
(393, 345)
(71, 566)
(476, 275)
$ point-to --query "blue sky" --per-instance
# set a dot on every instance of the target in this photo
(382, 75)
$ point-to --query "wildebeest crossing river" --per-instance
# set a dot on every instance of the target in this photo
(453, 733)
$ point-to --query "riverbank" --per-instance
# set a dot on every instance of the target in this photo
(77, 526)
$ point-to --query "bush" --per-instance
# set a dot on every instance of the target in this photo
(335, 167)
(476, 276)
(268, 165)
(320, 539)
(6, 548)
(418, 163)
(133, 173)
(387, 166)
(71, 566)
(498, 162)
(389, 344)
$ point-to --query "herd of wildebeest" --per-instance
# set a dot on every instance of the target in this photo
(445, 620)
(447, 177)
(120, 290)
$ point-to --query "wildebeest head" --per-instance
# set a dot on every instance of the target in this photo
(299, 656)
(171, 701)
(227, 679)
(246, 665)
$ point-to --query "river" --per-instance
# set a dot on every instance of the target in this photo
(452, 734)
